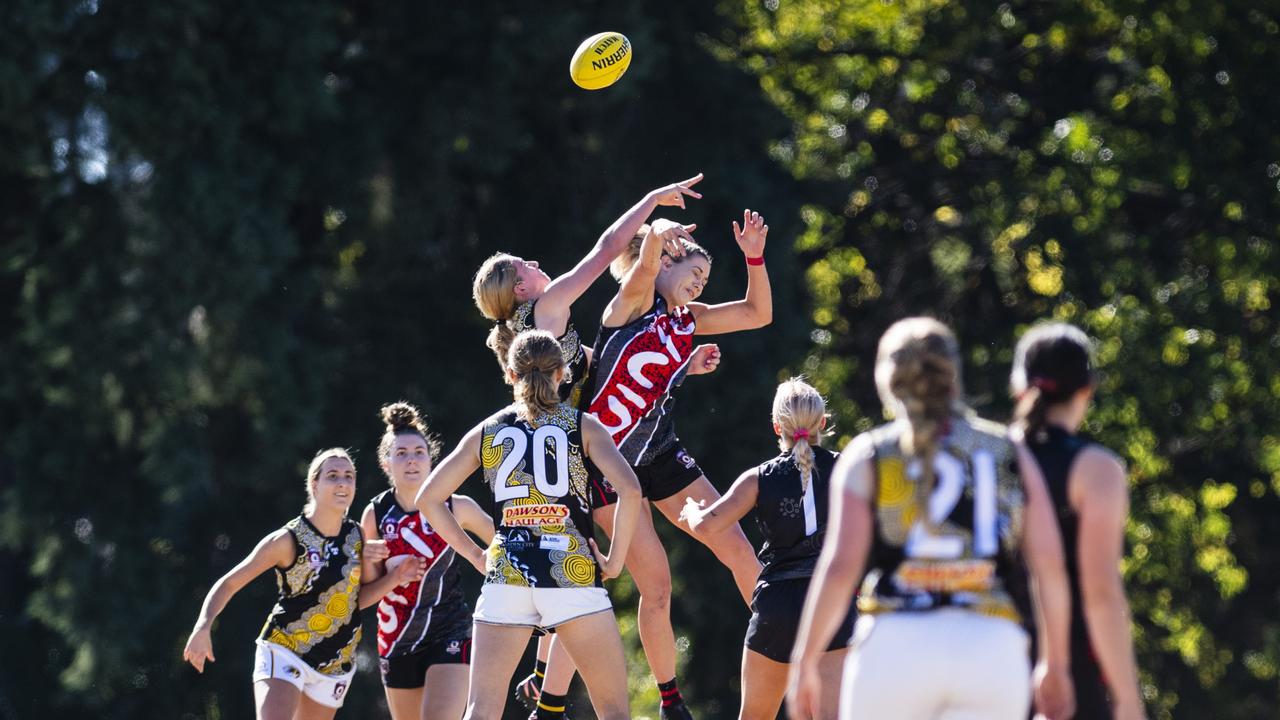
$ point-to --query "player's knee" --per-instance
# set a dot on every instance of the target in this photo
(656, 599)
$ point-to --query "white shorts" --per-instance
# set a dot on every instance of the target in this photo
(947, 664)
(538, 607)
(272, 661)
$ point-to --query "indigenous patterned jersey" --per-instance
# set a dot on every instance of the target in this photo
(316, 614)
(575, 358)
(966, 553)
(412, 614)
(635, 369)
(538, 476)
(792, 518)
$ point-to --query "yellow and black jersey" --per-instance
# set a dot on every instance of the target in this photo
(537, 474)
(316, 614)
(965, 553)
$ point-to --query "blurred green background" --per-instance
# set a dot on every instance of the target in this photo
(232, 230)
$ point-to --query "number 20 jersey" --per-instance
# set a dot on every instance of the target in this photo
(537, 474)
(967, 556)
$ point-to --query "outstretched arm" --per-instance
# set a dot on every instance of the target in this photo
(444, 480)
(756, 309)
(636, 292)
(274, 550)
(728, 510)
(552, 311)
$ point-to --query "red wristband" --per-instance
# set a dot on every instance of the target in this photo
(755, 260)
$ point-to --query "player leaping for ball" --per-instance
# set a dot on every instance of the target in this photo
(643, 352)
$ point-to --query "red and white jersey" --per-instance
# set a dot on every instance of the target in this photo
(635, 369)
(409, 615)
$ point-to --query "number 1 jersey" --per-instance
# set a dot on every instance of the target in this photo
(537, 474)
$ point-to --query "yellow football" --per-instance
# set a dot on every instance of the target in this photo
(600, 60)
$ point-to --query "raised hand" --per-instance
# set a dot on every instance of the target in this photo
(706, 358)
(673, 195)
(671, 233)
(752, 234)
(199, 648)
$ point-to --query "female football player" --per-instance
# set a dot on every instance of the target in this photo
(543, 568)
(306, 652)
(930, 506)
(1053, 381)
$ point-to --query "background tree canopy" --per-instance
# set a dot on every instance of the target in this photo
(232, 230)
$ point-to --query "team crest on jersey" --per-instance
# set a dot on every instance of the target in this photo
(315, 558)
(685, 459)
(454, 648)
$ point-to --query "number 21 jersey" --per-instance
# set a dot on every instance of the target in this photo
(965, 554)
(537, 474)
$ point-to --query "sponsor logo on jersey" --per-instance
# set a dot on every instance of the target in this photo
(534, 515)
(950, 576)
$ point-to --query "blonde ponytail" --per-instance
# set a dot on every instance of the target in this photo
(799, 414)
(918, 377)
(535, 359)
(494, 291)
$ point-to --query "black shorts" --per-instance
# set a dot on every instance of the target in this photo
(409, 672)
(775, 617)
(668, 474)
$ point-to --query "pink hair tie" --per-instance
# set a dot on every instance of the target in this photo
(1044, 383)
(800, 434)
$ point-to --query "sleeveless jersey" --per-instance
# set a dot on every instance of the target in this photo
(635, 369)
(537, 474)
(1055, 451)
(316, 614)
(967, 556)
(792, 519)
(410, 615)
(575, 358)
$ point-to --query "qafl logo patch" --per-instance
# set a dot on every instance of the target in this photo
(315, 559)
(685, 459)
(390, 530)
(455, 647)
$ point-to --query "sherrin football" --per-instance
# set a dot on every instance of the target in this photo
(600, 60)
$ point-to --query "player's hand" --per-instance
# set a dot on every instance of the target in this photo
(409, 570)
(691, 513)
(610, 567)
(1055, 696)
(199, 648)
(804, 691)
(673, 195)
(672, 233)
(706, 358)
(478, 560)
(375, 551)
(752, 234)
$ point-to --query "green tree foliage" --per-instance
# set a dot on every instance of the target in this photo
(232, 230)
(1107, 164)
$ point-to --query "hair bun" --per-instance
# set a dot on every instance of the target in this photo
(400, 415)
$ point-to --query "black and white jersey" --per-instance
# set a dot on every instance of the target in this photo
(791, 515)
